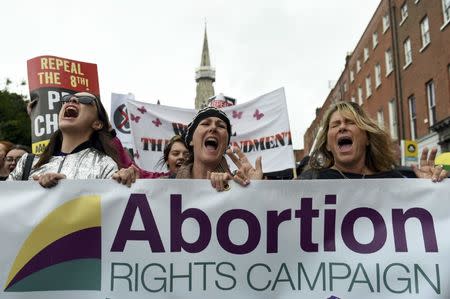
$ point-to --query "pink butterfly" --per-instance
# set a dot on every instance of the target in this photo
(237, 114)
(156, 122)
(258, 115)
(135, 118)
(142, 109)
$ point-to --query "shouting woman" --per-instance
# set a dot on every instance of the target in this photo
(80, 149)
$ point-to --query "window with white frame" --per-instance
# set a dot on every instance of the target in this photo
(360, 95)
(353, 99)
(377, 75)
(425, 32)
(431, 96)
(393, 119)
(408, 51)
(366, 54)
(389, 61)
(358, 65)
(412, 116)
(368, 86)
(446, 10)
(404, 12)
(352, 76)
(374, 39)
(380, 118)
(386, 22)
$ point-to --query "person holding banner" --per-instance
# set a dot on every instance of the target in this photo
(207, 138)
(352, 146)
(80, 149)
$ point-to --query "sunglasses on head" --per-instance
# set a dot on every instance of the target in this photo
(80, 99)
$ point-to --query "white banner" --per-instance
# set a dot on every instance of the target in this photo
(260, 128)
(119, 118)
(273, 239)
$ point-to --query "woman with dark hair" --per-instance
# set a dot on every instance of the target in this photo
(174, 155)
(80, 149)
(207, 138)
(14, 154)
(5, 146)
(352, 146)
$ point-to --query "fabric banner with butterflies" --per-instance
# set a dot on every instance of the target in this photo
(259, 127)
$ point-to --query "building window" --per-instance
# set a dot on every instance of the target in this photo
(389, 61)
(425, 32)
(386, 22)
(431, 96)
(412, 117)
(368, 87)
(353, 99)
(366, 54)
(345, 87)
(360, 95)
(446, 10)
(408, 52)
(404, 12)
(380, 118)
(352, 76)
(374, 40)
(358, 65)
(393, 119)
(377, 75)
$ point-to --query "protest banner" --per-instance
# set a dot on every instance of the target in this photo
(119, 118)
(49, 79)
(259, 127)
(273, 239)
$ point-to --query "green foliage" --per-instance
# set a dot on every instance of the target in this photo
(15, 124)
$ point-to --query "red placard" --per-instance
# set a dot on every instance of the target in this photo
(50, 78)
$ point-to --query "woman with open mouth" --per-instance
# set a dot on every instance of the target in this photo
(207, 138)
(80, 149)
(352, 146)
(174, 155)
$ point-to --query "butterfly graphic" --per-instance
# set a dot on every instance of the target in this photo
(237, 114)
(258, 115)
(136, 155)
(156, 122)
(135, 118)
(142, 109)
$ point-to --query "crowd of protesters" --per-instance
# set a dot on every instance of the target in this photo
(350, 146)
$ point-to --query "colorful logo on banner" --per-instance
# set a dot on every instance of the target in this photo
(121, 121)
(63, 252)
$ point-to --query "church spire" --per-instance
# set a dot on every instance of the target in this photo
(205, 75)
(205, 53)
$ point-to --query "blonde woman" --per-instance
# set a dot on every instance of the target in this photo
(352, 146)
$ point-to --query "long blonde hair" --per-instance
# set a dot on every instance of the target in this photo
(380, 153)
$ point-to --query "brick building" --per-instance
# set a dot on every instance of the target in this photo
(400, 73)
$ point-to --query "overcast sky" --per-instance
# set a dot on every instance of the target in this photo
(152, 48)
